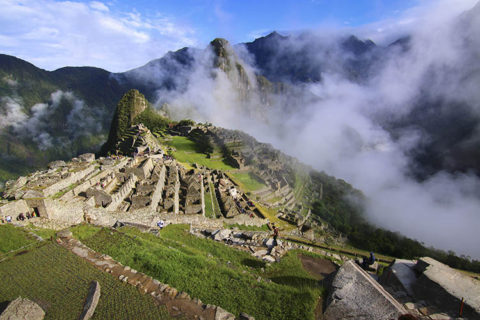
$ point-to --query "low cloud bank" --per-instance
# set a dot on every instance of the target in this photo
(339, 124)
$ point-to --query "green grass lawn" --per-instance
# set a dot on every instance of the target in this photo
(216, 205)
(186, 153)
(247, 181)
(213, 272)
(42, 232)
(209, 211)
(13, 238)
(59, 281)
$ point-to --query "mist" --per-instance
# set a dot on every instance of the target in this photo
(339, 124)
(57, 123)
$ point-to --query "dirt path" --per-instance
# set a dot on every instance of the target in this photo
(317, 267)
(320, 269)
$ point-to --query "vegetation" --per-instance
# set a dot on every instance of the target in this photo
(132, 104)
(209, 211)
(186, 152)
(338, 209)
(247, 181)
(213, 272)
(152, 120)
(13, 238)
(59, 281)
(186, 122)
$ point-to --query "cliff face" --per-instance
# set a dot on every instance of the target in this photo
(226, 60)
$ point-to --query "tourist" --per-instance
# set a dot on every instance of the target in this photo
(368, 261)
(161, 224)
(28, 215)
(21, 217)
(9, 219)
(275, 235)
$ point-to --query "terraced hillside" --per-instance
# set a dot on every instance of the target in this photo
(59, 281)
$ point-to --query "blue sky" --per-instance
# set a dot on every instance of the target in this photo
(118, 35)
(241, 21)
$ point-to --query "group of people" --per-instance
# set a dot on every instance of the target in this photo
(20, 217)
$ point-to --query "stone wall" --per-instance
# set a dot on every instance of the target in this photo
(176, 196)
(143, 171)
(96, 178)
(157, 193)
(68, 212)
(46, 207)
(14, 208)
(124, 190)
(202, 195)
(64, 183)
(442, 286)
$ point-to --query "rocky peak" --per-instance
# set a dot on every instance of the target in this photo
(130, 106)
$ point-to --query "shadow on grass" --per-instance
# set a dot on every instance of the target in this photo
(253, 263)
(296, 281)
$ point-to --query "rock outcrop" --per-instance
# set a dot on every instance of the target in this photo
(22, 308)
(356, 295)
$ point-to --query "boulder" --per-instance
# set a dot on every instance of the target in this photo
(222, 234)
(56, 164)
(87, 157)
(22, 308)
(64, 234)
(269, 258)
(91, 301)
(356, 295)
(221, 314)
(32, 194)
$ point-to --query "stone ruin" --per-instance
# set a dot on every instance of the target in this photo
(141, 189)
(427, 286)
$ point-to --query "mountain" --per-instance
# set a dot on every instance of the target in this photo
(58, 114)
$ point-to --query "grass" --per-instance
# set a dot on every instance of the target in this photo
(42, 232)
(213, 272)
(348, 251)
(14, 238)
(270, 214)
(59, 281)
(186, 154)
(62, 192)
(247, 181)
(209, 211)
(216, 205)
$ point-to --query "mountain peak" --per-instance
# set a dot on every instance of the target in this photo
(130, 106)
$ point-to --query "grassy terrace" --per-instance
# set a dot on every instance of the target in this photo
(13, 238)
(59, 281)
(247, 181)
(213, 272)
(186, 153)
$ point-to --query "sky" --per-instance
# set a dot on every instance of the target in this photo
(120, 35)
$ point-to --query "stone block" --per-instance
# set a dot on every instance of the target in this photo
(91, 301)
(22, 308)
(356, 295)
(221, 314)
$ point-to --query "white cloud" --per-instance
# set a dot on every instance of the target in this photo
(100, 6)
(53, 34)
